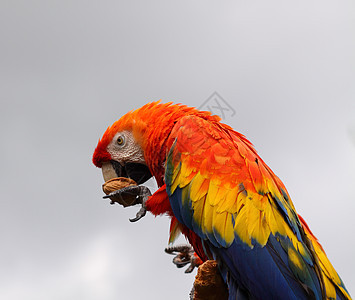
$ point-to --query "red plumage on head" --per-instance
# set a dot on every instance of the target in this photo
(151, 124)
(100, 155)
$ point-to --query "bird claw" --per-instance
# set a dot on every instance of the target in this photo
(140, 214)
(184, 255)
(142, 194)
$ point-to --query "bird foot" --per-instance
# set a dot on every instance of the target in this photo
(184, 255)
(141, 193)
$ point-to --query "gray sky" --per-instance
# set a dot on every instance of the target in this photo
(71, 68)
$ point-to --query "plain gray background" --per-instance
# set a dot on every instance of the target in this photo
(68, 69)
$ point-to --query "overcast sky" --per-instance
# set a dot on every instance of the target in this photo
(69, 69)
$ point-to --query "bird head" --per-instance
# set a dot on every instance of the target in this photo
(135, 146)
(120, 151)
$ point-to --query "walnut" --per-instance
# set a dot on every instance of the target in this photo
(118, 183)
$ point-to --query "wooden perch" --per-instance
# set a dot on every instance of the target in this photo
(209, 284)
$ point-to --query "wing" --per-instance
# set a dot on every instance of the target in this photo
(334, 285)
(222, 190)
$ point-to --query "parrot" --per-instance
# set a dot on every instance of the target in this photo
(222, 197)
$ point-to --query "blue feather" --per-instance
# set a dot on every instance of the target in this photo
(266, 272)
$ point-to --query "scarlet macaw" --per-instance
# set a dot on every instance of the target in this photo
(222, 196)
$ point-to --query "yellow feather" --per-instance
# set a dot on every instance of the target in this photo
(240, 226)
(228, 229)
(212, 191)
(259, 201)
(186, 174)
(207, 218)
(325, 264)
(219, 222)
(274, 218)
(176, 172)
(204, 187)
(241, 200)
(222, 223)
(198, 207)
(257, 225)
(229, 203)
(176, 175)
(195, 190)
(330, 289)
(184, 181)
(271, 185)
(220, 197)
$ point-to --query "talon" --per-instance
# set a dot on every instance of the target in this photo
(143, 195)
(140, 214)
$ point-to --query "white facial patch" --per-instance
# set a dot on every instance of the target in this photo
(126, 151)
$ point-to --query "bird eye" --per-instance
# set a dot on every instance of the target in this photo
(120, 140)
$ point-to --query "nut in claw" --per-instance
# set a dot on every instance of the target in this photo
(119, 183)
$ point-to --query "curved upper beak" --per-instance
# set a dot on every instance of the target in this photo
(108, 172)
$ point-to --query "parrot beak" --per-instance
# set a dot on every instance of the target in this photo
(138, 172)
